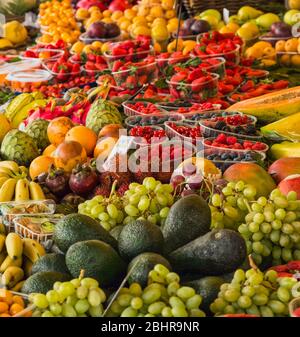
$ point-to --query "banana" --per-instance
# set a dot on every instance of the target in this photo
(36, 192)
(2, 180)
(12, 276)
(8, 262)
(18, 286)
(22, 190)
(14, 246)
(27, 266)
(7, 190)
(24, 112)
(17, 104)
(5, 170)
(12, 165)
(2, 241)
(3, 256)
(32, 249)
(2, 228)
(23, 169)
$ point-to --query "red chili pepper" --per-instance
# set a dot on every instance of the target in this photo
(293, 265)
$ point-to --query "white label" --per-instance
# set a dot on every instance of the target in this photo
(30, 20)
(226, 15)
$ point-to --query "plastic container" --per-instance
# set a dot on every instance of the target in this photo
(160, 160)
(138, 77)
(133, 57)
(251, 120)
(29, 306)
(141, 141)
(88, 40)
(128, 111)
(232, 57)
(273, 39)
(54, 54)
(94, 72)
(217, 68)
(62, 77)
(185, 37)
(208, 132)
(258, 157)
(22, 65)
(164, 63)
(288, 59)
(224, 149)
(293, 305)
(28, 79)
(184, 108)
(206, 90)
(11, 210)
(194, 117)
(171, 133)
(157, 120)
(32, 226)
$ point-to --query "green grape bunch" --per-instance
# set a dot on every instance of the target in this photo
(230, 206)
(256, 293)
(150, 201)
(272, 227)
(80, 297)
(163, 297)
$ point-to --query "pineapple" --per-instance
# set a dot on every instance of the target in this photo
(16, 7)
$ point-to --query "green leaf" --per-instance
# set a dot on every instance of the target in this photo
(161, 84)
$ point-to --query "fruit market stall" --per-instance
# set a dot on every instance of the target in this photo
(150, 159)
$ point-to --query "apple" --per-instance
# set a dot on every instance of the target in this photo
(290, 183)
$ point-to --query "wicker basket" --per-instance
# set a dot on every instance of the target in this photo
(194, 7)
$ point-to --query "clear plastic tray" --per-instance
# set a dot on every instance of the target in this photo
(211, 132)
(66, 75)
(32, 77)
(225, 149)
(194, 117)
(223, 165)
(171, 133)
(35, 232)
(163, 63)
(288, 59)
(88, 40)
(251, 120)
(11, 210)
(133, 121)
(128, 111)
(57, 54)
(232, 57)
(174, 109)
(185, 37)
(218, 68)
(133, 57)
(149, 70)
(141, 141)
(208, 89)
(273, 39)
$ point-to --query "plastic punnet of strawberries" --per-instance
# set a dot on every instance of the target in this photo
(148, 134)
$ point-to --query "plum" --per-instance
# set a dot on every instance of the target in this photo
(112, 30)
(281, 29)
(187, 24)
(200, 26)
(97, 30)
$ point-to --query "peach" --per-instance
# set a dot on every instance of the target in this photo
(284, 167)
(290, 183)
(111, 130)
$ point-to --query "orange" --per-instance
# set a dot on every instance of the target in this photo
(68, 154)
(28, 314)
(3, 307)
(40, 165)
(15, 309)
(5, 315)
(49, 150)
(6, 296)
(291, 45)
(58, 128)
(104, 147)
(18, 299)
(280, 45)
(83, 135)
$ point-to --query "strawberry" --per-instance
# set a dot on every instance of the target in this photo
(195, 74)
(179, 77)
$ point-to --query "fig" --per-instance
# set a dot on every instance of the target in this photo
(97, 30)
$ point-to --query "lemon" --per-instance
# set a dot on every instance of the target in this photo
(157, 12)
(105, 47)
(77, 47)
(232, 26)
(212, 20)
(125, 24)
(130, 14)
(143, 10)
(140, 20)
(167, 4)
(116, 15)
(82, 14)
(97, 45)
(171, 13)
(142, 30)
(160, 33)
(295, 60)
(159, 21)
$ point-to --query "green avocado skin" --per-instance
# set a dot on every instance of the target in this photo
(215, 253)
(189, 218)
(98, 260)
(50, 262)
(79, 227)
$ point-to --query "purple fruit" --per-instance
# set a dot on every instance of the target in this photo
(112, 30)
(97, 30)
(184, 32)
(188, 169)
(178, 183)
(187, 24)
(200, 26)
(281, 29)
(187, 192)
(194, 182)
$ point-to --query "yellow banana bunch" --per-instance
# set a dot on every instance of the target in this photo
(2, 241)
(8, 262)
(22, 190)
(36, 192)
(32, 249)
(14, 246)
(12, 276)
(7, 190)
(18, 286)
(17, 104)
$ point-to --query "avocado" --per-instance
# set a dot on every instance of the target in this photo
(145, 262)
(43, 281)
(208, 287)
(115, 232)
(51, 262)
(218, 252)
(189, 218)
(79, 227)
(98, 260)
(138, 237)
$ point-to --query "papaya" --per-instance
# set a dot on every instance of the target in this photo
(287, 128)
(285, 149)
(252, 174)
(271, 107)
(284, 167)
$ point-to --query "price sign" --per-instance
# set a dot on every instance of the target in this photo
(2, 23)
(226, 15)
(30, 20)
